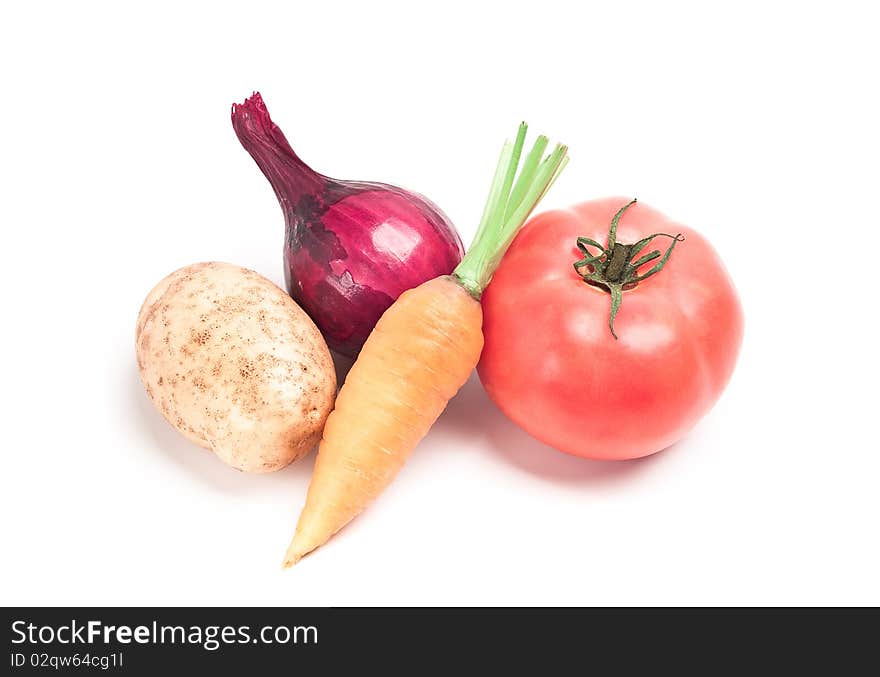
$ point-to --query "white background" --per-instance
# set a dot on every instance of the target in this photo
(756, 123)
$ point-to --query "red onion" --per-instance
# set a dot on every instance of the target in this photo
(351, 247)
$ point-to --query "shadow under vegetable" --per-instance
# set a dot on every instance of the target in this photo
(472, 414)
(196, 461)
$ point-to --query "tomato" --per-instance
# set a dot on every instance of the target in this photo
(551, 361)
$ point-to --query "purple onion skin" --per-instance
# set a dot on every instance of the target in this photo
(351, 247)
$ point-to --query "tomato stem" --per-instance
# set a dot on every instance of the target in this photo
(613, 268)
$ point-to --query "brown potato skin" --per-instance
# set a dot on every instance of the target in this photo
(235, 365)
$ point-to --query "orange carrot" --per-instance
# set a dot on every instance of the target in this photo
(420, 353)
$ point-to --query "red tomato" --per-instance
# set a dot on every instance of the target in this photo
(551, 363)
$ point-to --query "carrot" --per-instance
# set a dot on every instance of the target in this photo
(420, 353)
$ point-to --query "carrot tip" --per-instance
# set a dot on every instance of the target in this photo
(290, 559)
(294, 554)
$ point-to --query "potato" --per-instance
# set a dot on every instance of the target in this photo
(235, 365)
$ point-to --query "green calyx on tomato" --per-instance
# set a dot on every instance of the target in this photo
(616, 267)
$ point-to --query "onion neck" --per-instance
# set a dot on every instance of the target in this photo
(290, 177)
